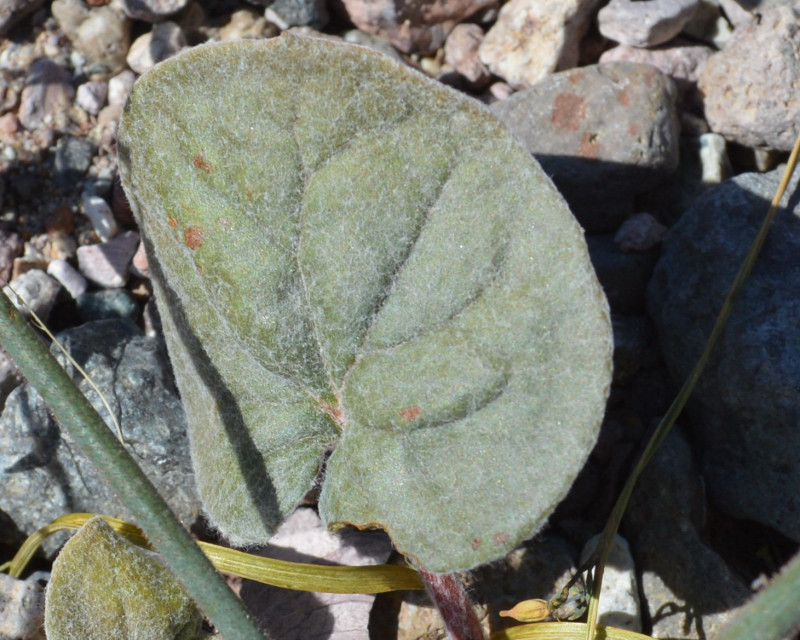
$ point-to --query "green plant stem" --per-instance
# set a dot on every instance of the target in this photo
(76, 414)
(612, 526)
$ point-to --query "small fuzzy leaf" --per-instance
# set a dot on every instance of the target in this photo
(352, 258)
(102, 586)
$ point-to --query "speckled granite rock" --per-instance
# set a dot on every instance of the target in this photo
(746, 408)
(750, 86)
(532, 38)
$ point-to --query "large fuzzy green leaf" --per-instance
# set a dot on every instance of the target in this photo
(102, 586)
(352, 258)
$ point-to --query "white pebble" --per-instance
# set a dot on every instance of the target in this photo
(619, 596)
(714, 158)
(102, 218)
(68, 276)
(119, 87)
(91, 96)
(22, 610)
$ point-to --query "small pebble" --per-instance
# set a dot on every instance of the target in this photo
(246, 24)
(107, 304)
(640, 232)
(108, 263)
(298, 13)
(139, 266)
(119, 88)
(714, 158)
(37, 290)
(21, 608)
(72, 159)
(91, 96)
(619, 596)
(461, 53)
(68, 276)
(104, 38)
(47, 95)
(644, 24)
(10, 248)
(100, 215)
(152, 10)
(162, 42)
(412, 26)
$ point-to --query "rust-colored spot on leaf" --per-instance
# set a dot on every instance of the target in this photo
(173, 222)
(410, 413)
(500, 538)
(200, 162)
(589, 146)
(569, 111)
(335, 412)
(194, 237)
(476, 542)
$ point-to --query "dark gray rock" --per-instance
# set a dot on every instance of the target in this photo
(624, 276)
(603, 133)
(689, 590)
(72, 159)
(746, 408)
(45, 475)
(634, 346)
(152, 10)
(108, 304)
(298, 13)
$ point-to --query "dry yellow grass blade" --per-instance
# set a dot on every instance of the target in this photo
(565, 631)
(278, 573)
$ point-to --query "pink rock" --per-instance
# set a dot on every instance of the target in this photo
(645, 24)
(410, 25)
(750, 87)
(140, 266)
(108, 263)
(461, 53)
(92, 96)
(532, 38)
(47, 95)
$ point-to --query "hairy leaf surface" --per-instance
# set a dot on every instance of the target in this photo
(351, 259)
